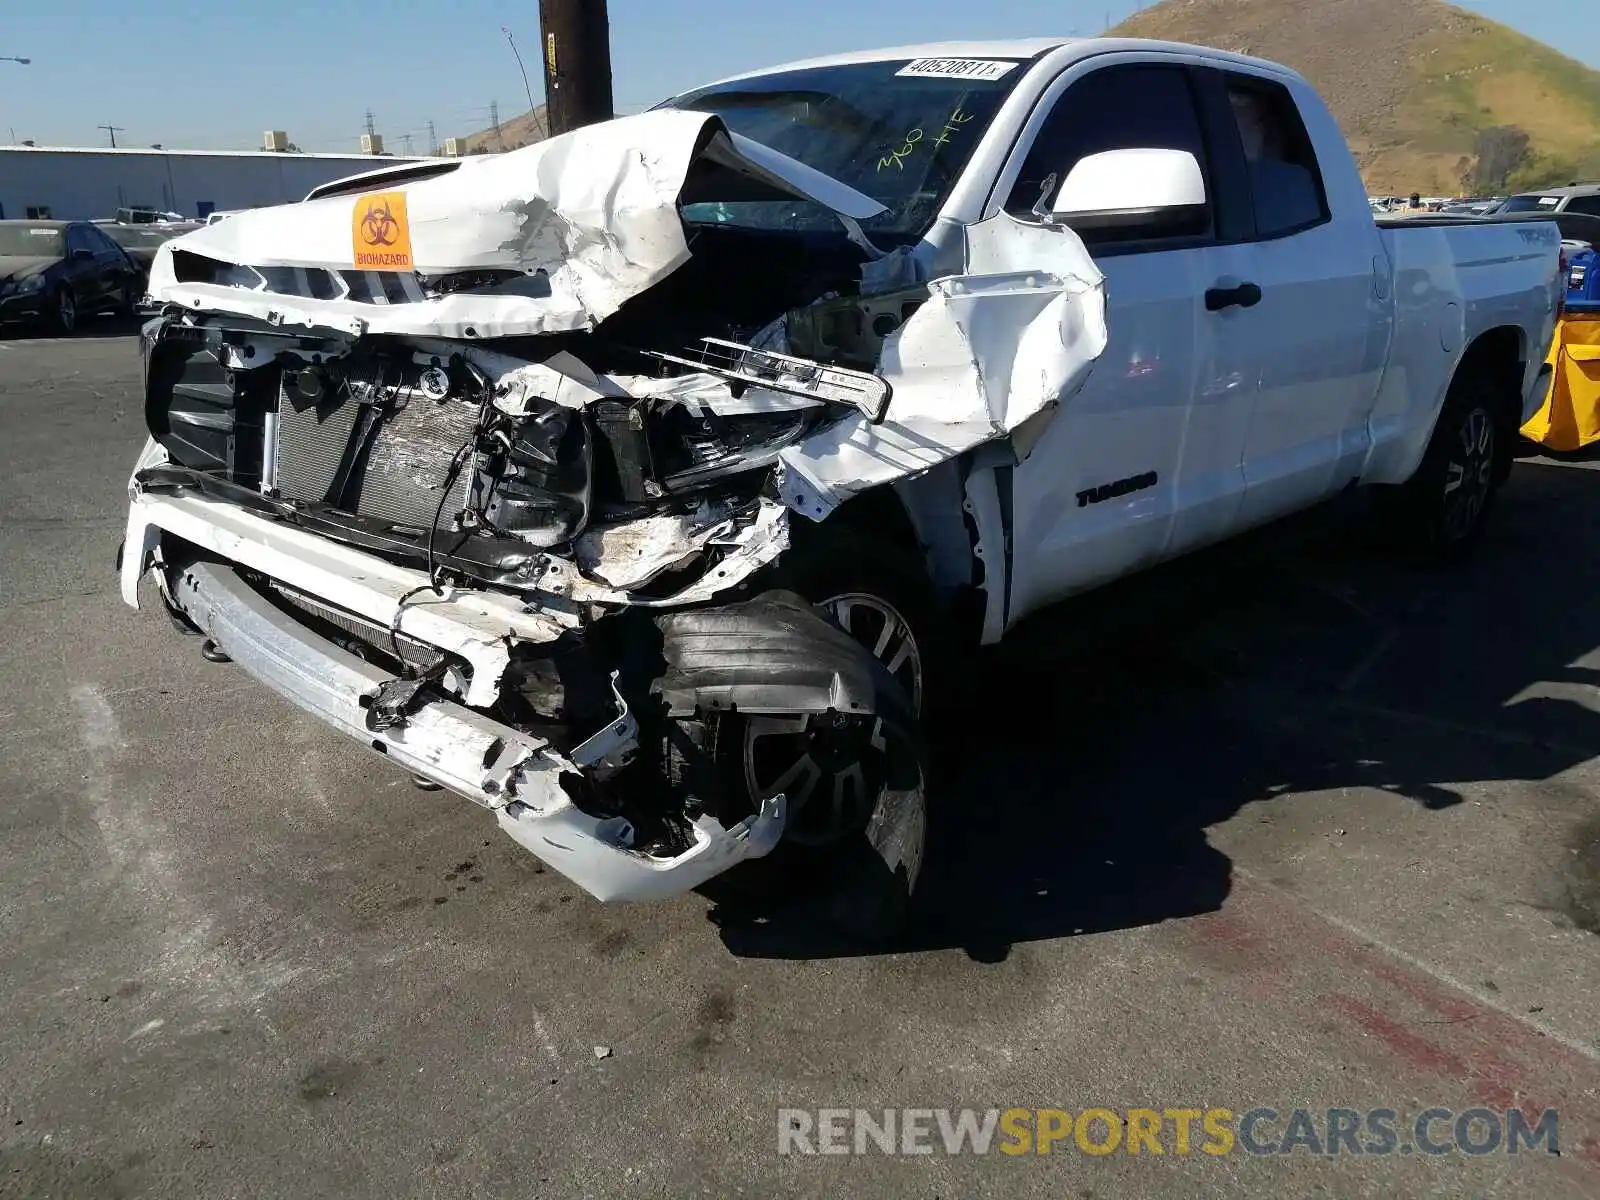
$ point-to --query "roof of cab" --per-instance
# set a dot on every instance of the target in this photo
(1571, 189)
(1018, 48)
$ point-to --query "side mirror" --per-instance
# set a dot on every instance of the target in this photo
(1146, 190)
(82, 253)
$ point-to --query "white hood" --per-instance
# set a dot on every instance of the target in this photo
(589, 218)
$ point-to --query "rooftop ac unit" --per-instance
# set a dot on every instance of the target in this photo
(275, 139)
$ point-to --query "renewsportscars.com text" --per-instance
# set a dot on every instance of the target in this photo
(1375, 1132)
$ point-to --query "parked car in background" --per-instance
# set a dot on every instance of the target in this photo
(140, 242)
(149, 216)
(224, 214)
(55, 271)
(1574, 198)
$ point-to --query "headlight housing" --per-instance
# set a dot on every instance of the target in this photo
(698, 449)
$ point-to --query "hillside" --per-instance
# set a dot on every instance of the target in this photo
(519, 131)
(1415, 84)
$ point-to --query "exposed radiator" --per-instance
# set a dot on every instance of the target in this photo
(312, 442)
(402, 475)
(393, 472)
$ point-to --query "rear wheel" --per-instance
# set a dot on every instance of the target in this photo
(1440, 513)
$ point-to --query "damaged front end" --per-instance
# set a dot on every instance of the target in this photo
(499, 499)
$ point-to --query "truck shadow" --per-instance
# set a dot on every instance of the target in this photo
(1078, 795)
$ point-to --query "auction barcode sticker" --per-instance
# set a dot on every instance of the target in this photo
(956, 68)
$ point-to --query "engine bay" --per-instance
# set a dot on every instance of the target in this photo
(613, 465)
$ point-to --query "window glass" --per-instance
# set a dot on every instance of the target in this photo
(899, 131)
(1116, 108)
(1584, 204)
(1530, 203)
(30, 241)
(76, 240)
(1285, 182)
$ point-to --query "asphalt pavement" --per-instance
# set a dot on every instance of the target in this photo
(1330, 838)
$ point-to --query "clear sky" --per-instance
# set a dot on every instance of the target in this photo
(212, 74)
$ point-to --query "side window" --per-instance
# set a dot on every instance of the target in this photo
(1115, 108)
(76, 240)
(1285, 182)
(102, 243)
(1585, 204)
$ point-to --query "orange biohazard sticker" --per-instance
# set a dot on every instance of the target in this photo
(380, 235)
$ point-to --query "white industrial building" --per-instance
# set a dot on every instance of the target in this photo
(72, 184)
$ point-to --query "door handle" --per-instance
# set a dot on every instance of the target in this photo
(1242, 295)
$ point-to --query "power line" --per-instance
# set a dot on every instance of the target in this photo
(113, 130)
(517, 54)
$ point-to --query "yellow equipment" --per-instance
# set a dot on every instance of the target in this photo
(1570, 417)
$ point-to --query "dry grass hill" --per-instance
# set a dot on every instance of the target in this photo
(519, 131)
(1415, 85)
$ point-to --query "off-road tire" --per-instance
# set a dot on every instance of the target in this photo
(1439, 514)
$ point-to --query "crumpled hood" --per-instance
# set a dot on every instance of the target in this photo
(14, 268)
(590, 219)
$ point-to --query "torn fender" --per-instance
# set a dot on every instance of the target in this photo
(982, 356)
(590, 218)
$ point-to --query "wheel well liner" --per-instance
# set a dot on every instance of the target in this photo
(1499, 354)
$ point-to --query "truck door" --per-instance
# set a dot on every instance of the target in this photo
(1320, 328)
(1144, 453)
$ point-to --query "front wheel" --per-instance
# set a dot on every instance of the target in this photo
(856, 789)
(64, 310)
(1441, 511)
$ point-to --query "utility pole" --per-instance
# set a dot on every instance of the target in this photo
(433, 142)
(494, 121)
(577, 63)
(405, 143)
(113, 130)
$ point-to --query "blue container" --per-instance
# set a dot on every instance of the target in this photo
(1583, 281)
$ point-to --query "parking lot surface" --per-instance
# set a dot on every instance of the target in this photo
(1330, 840)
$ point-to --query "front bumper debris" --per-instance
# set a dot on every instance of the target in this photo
(515, 775)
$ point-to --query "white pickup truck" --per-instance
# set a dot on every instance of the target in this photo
(630, 484)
